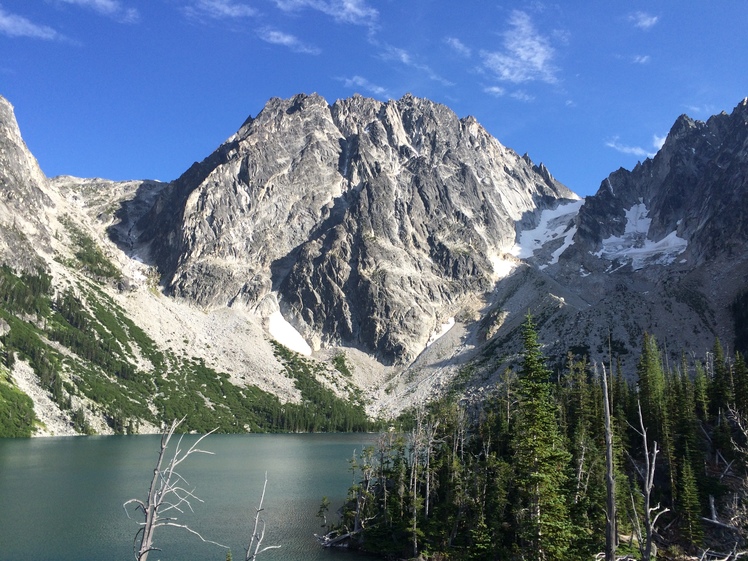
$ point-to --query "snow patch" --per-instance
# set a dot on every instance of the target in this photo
(502, 267)
(441, 332)
(636, 248)
(554, 224)
(286, 334)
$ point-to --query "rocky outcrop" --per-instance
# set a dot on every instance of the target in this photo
(694, 186)
(24, 198)
(662, 248)
(374, 228)
(371, 221)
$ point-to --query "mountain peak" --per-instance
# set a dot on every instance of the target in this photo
(333, 211)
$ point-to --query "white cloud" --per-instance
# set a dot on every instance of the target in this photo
(640, 59)
(219, 9)
(527, 56)
(701, 109)
(643, 20)
(458, 46)
(110, 8)
(495, 91)
(395, 53)
(345, 11)
(404, 57)
(14, 25)
(658, 141)
(276, 37)
(521, 95)
(366, 85)
(624, 149)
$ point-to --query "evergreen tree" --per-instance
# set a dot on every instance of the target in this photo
(723, 393)
(701, 392)
(690, 507)
(652, 390)
(740, 379)
(540, 462)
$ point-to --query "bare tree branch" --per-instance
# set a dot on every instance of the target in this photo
(166, 493)
(258, 536)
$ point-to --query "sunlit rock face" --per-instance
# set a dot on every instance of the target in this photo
(24, 198)
(370, 222)
(403, 237)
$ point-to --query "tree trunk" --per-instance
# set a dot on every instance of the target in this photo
(610, 482)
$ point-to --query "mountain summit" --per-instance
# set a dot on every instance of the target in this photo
(367, 224)
(394, 243)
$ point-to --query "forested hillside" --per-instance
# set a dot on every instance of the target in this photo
(523, 474)
(94, 362)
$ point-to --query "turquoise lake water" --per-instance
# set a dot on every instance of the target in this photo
(62, 497)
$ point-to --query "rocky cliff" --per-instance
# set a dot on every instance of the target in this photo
(24, 198)
(369, 223)
(397, 244)
(662, 248)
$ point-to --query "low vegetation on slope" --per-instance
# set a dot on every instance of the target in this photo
(95, 363)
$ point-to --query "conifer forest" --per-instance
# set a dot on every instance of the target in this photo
(576, 464)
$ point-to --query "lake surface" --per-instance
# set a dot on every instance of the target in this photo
(61, 498)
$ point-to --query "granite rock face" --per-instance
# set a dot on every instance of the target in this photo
(369, 221)
(24, 198)
(662, 248)
(372, 227)
(694, 186)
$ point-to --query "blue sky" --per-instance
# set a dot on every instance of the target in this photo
(131, 89)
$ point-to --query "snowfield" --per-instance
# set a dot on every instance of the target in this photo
(554, 224)
(635, 248)
(286, 334)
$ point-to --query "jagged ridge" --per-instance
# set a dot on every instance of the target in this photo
(370, 221)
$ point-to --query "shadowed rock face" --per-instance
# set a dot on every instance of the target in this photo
(372, 221)
(373, 224)
(695, 186)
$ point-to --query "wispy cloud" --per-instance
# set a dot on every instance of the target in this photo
(402, 56)
(276, 37)
(641, 59)
(458, 46)
(14, 25)
(345, 11)
(110, 8)
(397, 54)
(657, 142)
(700, 110)
(366, 86)
(521, 95)
(526, 55)
(496, 91)
(219, 9)
(643, 20)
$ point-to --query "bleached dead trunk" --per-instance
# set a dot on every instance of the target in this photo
(166, 495)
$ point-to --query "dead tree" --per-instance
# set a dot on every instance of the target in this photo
(258, 533)
(651, 513)
(610, 481)
(167, 495)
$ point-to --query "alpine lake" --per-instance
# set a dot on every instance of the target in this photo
(62, 497)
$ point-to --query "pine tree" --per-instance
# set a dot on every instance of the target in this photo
(690, 507)
(540, 462)
(740, 378)
(701, 392)
(723, 393)
(652, 389)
